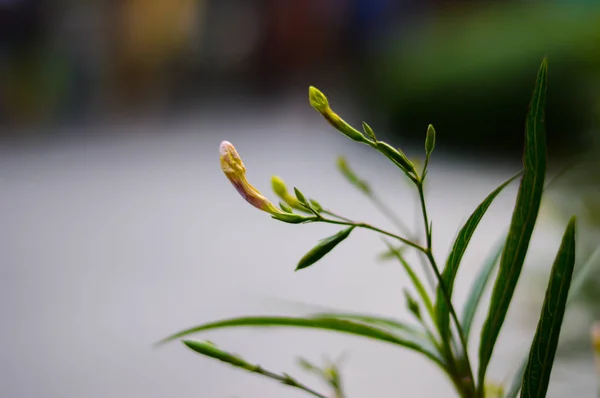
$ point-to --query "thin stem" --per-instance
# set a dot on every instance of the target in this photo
(389, 213)
(372, 228)
(425, 217)
(287, 380)
(332, 214)
(442, 286)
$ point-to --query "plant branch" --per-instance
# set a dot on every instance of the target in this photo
(443, 288)
(287, 380)
(372, 228)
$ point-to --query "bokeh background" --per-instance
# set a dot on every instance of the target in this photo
(118, 227)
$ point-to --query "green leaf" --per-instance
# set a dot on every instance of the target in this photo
(369, 131)
(351, 176)
(579, 277)
(390, 324)
(543, 348)
(396, 156)
(413, 278)
(293, 218)
(523, 221)
(478, 287)
(323, 323)
(285, 207)
(300, 196)
(322, 248)
(456, 254)
(210, 350)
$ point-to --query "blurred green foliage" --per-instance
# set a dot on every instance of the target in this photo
(441, 70)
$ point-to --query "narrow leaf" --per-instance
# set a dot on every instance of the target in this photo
(210, 350)
(331, 324)
(413, 278)
(404, 330)
(579, 277)
(300, 196)
(522, 223)
(478, 287)
(351, 176)
(322, 248)
(543, 348)
(369, 131)
(456, 254)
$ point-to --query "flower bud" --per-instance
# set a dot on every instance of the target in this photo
(429, 140)
(319, 102)
(317, 99)
(281, 190)
(235, 171)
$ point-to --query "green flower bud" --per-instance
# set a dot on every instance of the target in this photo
(317, 99)
(322, 248)
(429, 140)
(396, 156)
(281, 190)
(319, 102)
(278, 186)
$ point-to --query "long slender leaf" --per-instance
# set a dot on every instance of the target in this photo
(579, 278)
(404, 330)
(413, 278)
(456, 255)
(523, 221)
(543, 348)
(331, 324)
(478, 287)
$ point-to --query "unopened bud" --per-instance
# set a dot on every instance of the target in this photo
(429, 140)
(317, 99)
(235, 171)
(319, 102)
(281, 190)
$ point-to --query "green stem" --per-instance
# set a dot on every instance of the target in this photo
(443, 288)
(332, 214)
(287, 380)
(387, 212)
(372, 228)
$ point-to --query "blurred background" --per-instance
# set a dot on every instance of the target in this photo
(119, 228)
